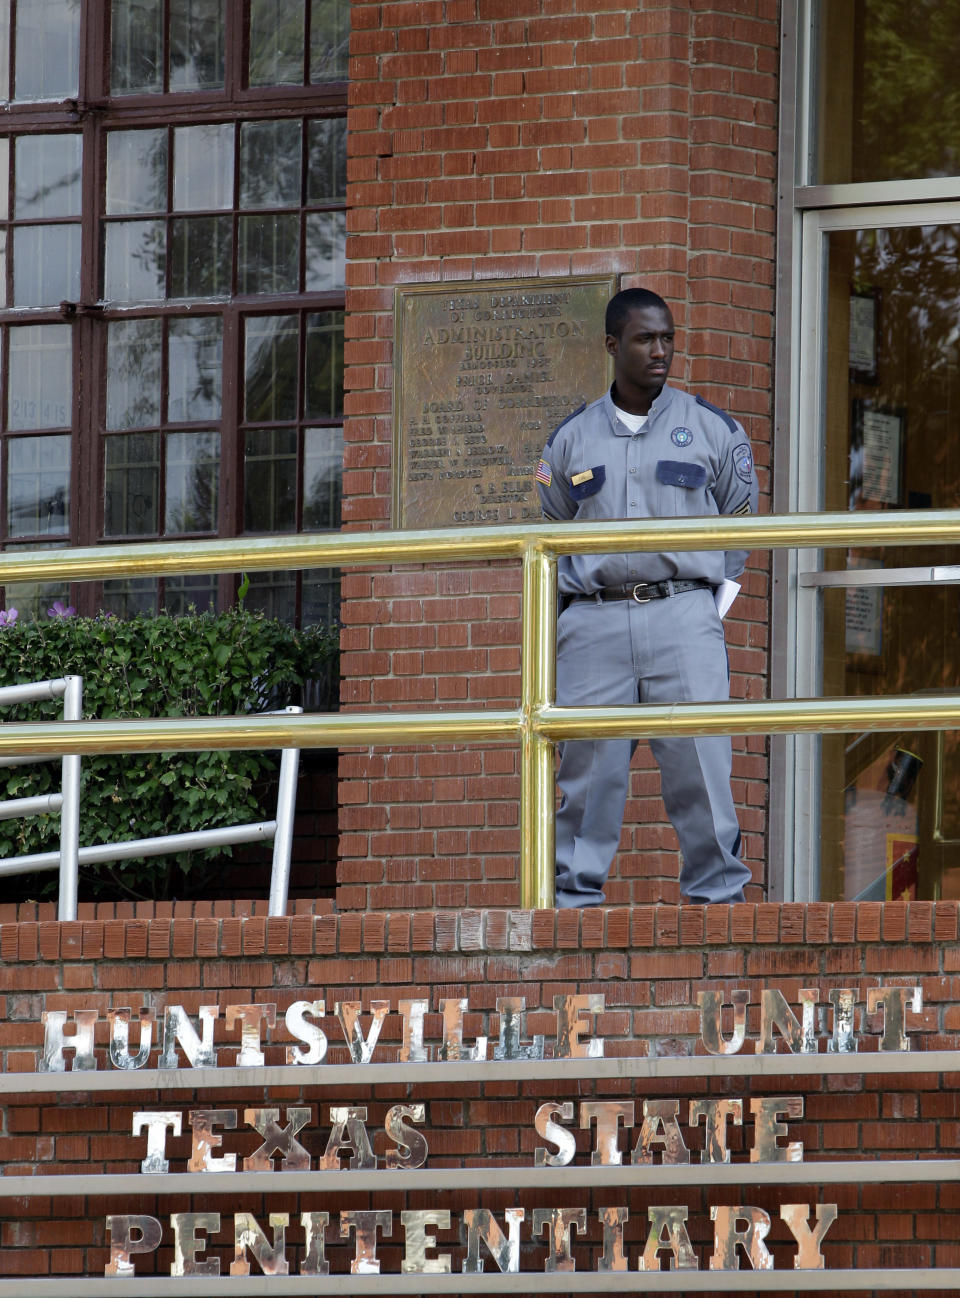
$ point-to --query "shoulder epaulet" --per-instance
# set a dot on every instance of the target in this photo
(573, 414)
(727, 419)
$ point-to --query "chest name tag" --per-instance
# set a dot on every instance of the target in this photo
(585, 476)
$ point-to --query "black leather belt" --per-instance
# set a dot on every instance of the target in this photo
(644, 591)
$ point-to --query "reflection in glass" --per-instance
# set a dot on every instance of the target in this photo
(202, 167)
(269, 260)
(326, 244)
(276, 43)
(322, 473)
(320, 596)
(888, 100)
(324, 365)
(192, 482)
(133, 373)
(195, 349)
(131, 484)
(31, 599)
(196, 44)
(38, 485)
(270, 368)
(136, 47)
(47, 179)
(46, 264)
(270, 164)
(136, 172)
(134, 262)
(128, 596)
(329, 40)
(48, 49)
(889, 442)
(274, 594)
(40, 381)
(270, 480)
(192, 593)
(4, 170)
(327, 160)
(4, 50)
(201, 256)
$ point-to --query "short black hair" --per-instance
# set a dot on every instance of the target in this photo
(627, 300)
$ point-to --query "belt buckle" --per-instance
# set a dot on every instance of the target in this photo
(642, 599)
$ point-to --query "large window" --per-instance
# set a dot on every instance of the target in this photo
(873, 230)
(171, 297)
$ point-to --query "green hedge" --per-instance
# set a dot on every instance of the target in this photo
(199, 665)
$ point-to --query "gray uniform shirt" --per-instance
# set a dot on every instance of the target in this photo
(689, 460)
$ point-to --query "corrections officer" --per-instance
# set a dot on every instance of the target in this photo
(644, 627)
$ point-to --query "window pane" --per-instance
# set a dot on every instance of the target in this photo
(201, 256)
(276, 43)
(4, 50)
(270, 368)
(135, 259)
(46, 264)
(274, 594)
(329, 40)
(269, 258)
(886, 84)
(324, 365)
(188, 594)
(47, 176)
(136, 47)
(136, 172)
(128, 596)
(131, 484)
(133, 373)
(326, 243)
(322, 472)
(4, 172)
(327, 160)
(31, 599)
(320, 597)
(196, 44)
(270, 164)
(270, 480)
(38, 485)
(202, 168)
(192, 483)
(40, 383)
(48, 49)
(196, 365)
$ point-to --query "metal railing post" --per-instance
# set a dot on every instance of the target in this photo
(538, 682)
(70, 808)
(283, 838)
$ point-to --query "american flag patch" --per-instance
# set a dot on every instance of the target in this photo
(544, 473)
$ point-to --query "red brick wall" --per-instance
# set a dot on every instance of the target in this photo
(522, 138)
(650, 962)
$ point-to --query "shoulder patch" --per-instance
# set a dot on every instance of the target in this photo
(573, 414)
(727, 419)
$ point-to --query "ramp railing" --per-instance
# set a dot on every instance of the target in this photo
(536, 724)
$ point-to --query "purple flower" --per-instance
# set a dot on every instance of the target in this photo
(61, 610)
(8, 616)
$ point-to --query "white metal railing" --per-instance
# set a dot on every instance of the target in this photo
(71, 855)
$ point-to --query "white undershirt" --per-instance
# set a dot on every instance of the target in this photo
(634, 422)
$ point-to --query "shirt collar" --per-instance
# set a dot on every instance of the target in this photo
(663, 400)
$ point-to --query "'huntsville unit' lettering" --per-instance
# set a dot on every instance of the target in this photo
(735, 1227)
(801, 1036)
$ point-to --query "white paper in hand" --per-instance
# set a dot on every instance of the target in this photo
(724, 595)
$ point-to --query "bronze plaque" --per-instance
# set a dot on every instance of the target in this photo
(483, 374)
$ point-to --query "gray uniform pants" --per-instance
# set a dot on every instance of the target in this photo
(670, 650)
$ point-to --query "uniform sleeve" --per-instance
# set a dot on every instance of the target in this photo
(555, 498)
(736, 490)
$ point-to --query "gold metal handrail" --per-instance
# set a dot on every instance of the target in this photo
(537, 723)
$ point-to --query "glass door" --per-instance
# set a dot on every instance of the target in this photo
(879, 814)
